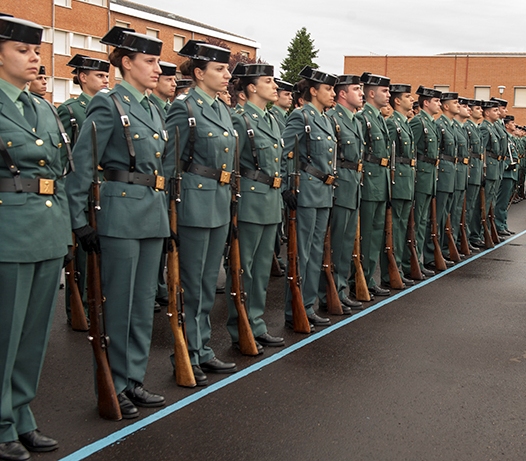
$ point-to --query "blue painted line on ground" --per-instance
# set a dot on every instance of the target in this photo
(121, 434)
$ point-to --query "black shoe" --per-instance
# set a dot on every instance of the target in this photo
(511, 232)
(220, 289)
(13, 451)
(217, 366)
(128, 409)
(35, 441)
(503, 233)
(473, 249)
(478, 244)
(346, 310)
(318, 321)
(200, 378)
(140, 397)
(427, 272)
(408, 282)
(235, 345)
(449, 263)
(290, 324)
(162, 300)
(156, 307)
(379, 291)
(352, 303)
(270, 341)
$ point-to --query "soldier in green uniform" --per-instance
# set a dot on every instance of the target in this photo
(403, 185)
(446, 175)
(35, 233)
(426, 143)
(92, 75)
(346, 209)
(207, 143)
(39, 85)
(259, 211)
(133, 219)
(316, 148)
(183, 86)
(164, 93)
(280, 108)
(376, 180)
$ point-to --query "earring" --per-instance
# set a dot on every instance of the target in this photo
(255, 91)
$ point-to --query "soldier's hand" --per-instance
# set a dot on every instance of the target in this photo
(89, 239)
(290, 199)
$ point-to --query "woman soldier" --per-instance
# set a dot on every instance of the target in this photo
(34, 231)
(260, 202)
(316, 163)
(133, 219)
(206, 143)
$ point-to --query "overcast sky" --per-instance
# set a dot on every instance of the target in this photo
(347, 27)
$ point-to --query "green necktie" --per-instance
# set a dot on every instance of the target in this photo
(268, 119)
(146, 104)
(215, 106)
(29, 111)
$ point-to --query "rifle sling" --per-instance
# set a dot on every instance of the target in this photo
(126, 126)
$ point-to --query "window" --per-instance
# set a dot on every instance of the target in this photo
(47, 35)
(95, 45)
(78, 41)
(86, 42)
(60, 90)
(443, 88)
(74, 90)
(482, 92)
(124, 24)
(118, 75)
(152, 33)
(95, 2)
(520, 97)
(61, 42)
(178, 42)
(66, 3)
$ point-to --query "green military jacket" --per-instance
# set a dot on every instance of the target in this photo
(73, 120)
(461, 139)
(511, 169)
(130, 211)
(163, 106)
(350, 148)
(204, 201)
(33, 227)
(447, 147)
(259, 203)
(475, 152)
(377, 144)
(491, 144)
(401, 134)
(313, 192)
(280, 115)
(427, 142)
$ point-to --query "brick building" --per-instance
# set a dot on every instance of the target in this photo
(76, 26)
(473, 75)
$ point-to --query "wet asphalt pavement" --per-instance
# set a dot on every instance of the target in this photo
(436, 372)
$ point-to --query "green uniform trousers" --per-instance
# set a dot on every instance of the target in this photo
(372, 231)
(472, 202)
(507, 186)
(456, 213)
(129, 280)
(443, 206)
(28, 297)
(421, 213)
(256, 245)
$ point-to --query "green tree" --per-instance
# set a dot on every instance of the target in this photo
(301, 53)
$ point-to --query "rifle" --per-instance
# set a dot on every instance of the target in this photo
(416, 273)
(488, 241)
(184, 375)
(440, 263)
(300, 321)
(394, 274)
(452, 246)
(493, 228)
(107, 397)
(362, 291)
(334, 306)
(464, 242)
(78, 317)
(247, 343)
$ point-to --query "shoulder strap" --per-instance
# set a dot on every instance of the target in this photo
(125, 120)
(65, 138)
(74, 125)
(338, 132)
(191, 124)
(369, 135)
(307, 132)
(250, 134)
(13, 169)
(426, 139)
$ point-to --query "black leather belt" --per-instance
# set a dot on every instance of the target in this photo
(326, 178)
(432, 161)
(259, 176)
(151, 180)
(406, 161)
(40, 186)
(382, 161)
(477, 156)
(495, 156)
(347, 164)
(448, 158)
(221, 176)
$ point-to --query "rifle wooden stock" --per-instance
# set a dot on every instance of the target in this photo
(362, 291)
(78, 317)
(394, 274)
(184, 375)
(463, 236)
(452, 246)
(493, 227)
(440, 263)
(334, 306)
(488, 241)
(416, 273)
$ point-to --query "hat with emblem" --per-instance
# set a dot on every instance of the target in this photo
(428, 92)
(314, 75)
(254, 70)
(509, 118)
(502, 102)
(42, 70)
(474, 102)
(20, 30)
(184, 83)
(449, 96)
(463, 101)
(128, 39)
(284, 86)
(202, 51)
(348, 79)
(168, 69)
(400, 88)
(489, 104)
(374, 80)
(81, 62)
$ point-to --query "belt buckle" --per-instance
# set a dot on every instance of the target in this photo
(159, 182)
(465, 160)
(359, 167)
(384, 162)
(276, 184)
(225, 177)
(437, 162)
(330, 179)
(413, 162)
(46, 186)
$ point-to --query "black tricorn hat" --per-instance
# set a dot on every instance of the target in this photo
(374, 80)
(463, 101)
(20, 30)
(348, 80)
(502, 102)
(128, 39)
(428, 92)
(400, 88)
(314, 75)
(416, 105)
(509, 118)
(448, 96)
(283, 85)
(197, 49)
(474, 102)
(168, 69)
(42, 70)
(257, 70)
(488, 104)
(239, 70)
(81, 62)
(184, 83)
